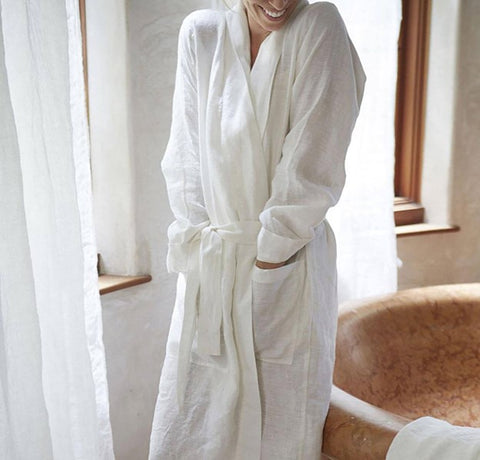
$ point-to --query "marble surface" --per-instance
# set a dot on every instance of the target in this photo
(357, 430)
(400, 357)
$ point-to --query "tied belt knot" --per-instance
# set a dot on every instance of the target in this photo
(210, 279)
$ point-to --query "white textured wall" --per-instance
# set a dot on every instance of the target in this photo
(452, 139)
(136, 320)
(110, 120)
(440, 110)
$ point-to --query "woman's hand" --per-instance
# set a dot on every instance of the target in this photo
(269, 265)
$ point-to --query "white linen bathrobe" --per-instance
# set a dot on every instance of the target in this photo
(254, 161)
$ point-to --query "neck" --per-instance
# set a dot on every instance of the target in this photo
(257, 35)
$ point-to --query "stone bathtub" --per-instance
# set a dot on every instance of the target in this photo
(400, 357)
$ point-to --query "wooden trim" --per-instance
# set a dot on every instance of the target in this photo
(411, 90)
(424, 229)
(111, 283)
(408, 213)
(83, 27)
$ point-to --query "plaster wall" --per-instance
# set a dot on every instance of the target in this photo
(451, 168)
(109, 120)
(132, 54)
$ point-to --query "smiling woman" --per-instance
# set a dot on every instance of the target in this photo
(266, 98)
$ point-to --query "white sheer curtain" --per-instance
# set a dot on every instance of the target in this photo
(53, 390)
(363, 218)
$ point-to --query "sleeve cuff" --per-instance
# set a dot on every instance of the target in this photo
(177, 258)
(181, 235)
(274, 248)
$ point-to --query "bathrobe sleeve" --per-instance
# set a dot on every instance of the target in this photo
(181, 165)
(325, 101)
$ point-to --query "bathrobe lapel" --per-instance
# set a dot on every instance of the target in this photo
(259, 78)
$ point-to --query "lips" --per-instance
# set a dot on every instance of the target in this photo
(273, 15)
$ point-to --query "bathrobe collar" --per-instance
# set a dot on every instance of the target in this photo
(259, 78)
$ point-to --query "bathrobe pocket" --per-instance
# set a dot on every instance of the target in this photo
(276, 300)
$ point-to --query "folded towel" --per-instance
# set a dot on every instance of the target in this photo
(428, 438)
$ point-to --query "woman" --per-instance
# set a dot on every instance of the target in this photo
(266, 98)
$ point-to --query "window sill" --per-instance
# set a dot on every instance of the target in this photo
(407, 212)
(424, 229)
(409, 218)
(111, 283)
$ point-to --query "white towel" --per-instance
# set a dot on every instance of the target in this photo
(428, 438)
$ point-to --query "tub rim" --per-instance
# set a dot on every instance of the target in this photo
(369, 429)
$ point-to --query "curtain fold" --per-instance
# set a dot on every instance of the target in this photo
(54, 397)
(22, 410)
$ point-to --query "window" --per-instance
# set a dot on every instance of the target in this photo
(107, 283)
(410, 110)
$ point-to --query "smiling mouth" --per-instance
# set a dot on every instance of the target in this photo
(273, 14)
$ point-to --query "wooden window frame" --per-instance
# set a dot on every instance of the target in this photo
(413, 47)
(83, 28)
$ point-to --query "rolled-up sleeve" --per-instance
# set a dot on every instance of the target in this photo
(310, 176)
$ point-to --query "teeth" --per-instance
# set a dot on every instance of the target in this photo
(274, 14)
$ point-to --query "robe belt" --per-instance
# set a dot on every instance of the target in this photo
(210, 279)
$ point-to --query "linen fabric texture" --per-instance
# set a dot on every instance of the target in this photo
(53, 385)
(254, 161)
(428, 438)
